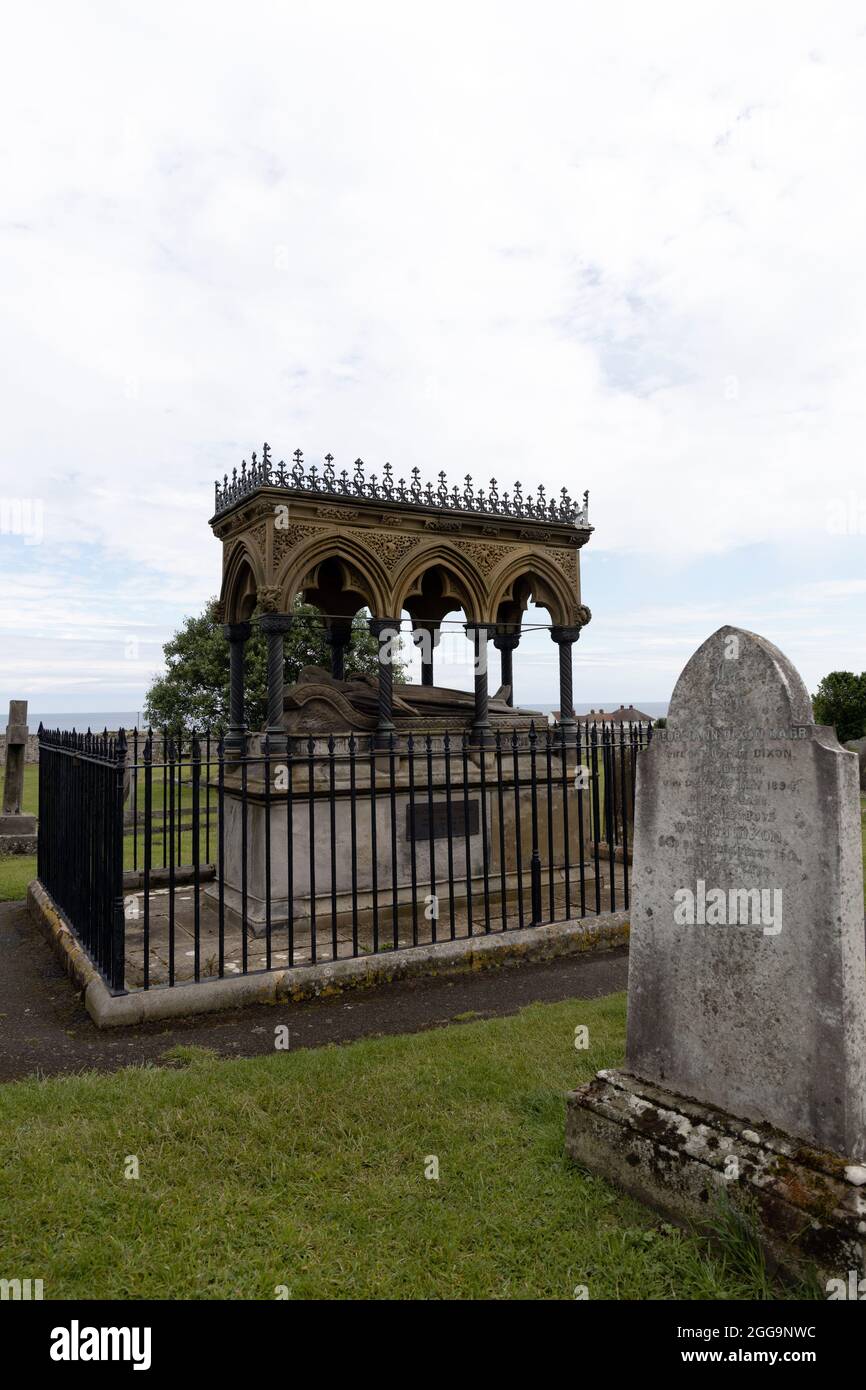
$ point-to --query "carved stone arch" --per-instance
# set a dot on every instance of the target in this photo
(462, 586)
(243, 575)
(532, 574)
(360, 571)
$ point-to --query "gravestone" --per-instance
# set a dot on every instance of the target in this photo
(858, 746)
(746, 1047)
(17, 831)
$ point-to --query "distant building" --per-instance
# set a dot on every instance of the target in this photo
(626, 714)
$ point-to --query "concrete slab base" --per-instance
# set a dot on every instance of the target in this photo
(17, 824)
(680, 1157)
(18, 834)
(326, 977)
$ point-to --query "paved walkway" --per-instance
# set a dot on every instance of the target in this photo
(45, 1029)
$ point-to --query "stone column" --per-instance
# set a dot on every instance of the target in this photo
(386, 630)
(17, 831)
(338, 635)
(275, 626)
(16, 747)
(426, 635)
(506, 644)
(565, 638)
(237, 636)
(480, 634)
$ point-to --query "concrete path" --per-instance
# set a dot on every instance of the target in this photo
(44, 1028)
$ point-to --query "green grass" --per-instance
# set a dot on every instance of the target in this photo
(16, 871)
(307, 1169)
(30, 799)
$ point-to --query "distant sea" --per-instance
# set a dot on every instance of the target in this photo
(101, 719)
(132, 719)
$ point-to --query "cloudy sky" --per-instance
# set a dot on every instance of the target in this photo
(613, 247)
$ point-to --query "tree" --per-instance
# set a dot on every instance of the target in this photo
(194, 691)
(840, 701)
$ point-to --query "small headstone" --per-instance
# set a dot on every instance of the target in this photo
(858, 746)
(747, 972)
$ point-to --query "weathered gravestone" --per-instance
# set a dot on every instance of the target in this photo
(858, 746)
(746, 1051)
(17, 831)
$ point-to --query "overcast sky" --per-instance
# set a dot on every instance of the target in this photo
(614, 247)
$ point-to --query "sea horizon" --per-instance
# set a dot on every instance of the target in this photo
(97, 720)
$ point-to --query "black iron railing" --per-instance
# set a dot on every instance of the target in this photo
(80, 846)
(173, 859)
(263, 472)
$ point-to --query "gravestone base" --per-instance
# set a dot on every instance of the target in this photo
(682, 1157)
(17, 834)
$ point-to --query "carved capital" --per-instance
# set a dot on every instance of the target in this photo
(268, 598)
(562, 635)
(378, 626)
(275, 622)
(480, 632)
(338, 632)
(421, 627)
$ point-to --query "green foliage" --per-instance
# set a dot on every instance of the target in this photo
(194, 691)
(840, 701)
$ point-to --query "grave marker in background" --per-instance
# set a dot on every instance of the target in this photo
(17, 831)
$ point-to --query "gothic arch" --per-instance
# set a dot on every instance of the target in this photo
(242, 578)
(461, 580)
(533, 573)
(361, 570)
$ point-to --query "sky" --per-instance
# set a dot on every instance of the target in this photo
(609, 247)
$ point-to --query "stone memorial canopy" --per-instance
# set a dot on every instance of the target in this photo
(347, 544)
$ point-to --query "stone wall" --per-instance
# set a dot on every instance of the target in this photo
(31, 752)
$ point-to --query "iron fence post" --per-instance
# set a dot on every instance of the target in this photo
(535, 862)
(118, 916)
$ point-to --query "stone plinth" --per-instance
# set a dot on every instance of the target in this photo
(684, 1159)
(488, 822)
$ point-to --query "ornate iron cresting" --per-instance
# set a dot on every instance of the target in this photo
(263, 472)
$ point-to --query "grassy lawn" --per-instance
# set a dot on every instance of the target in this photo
(307, 1169)
(16, 871)
(30, 799)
